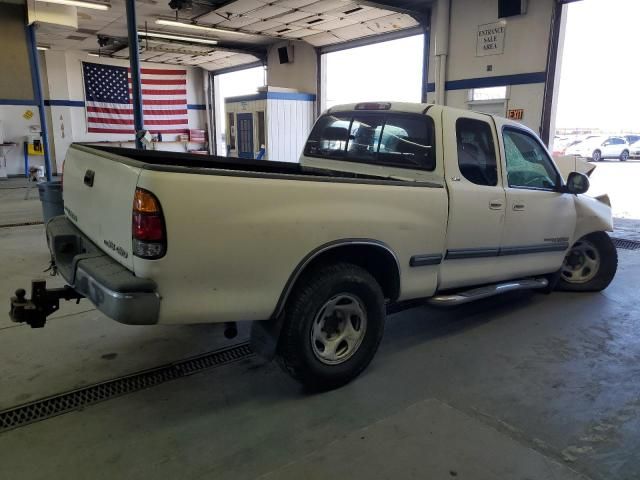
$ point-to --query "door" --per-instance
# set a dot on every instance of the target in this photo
(476, 200)
(613, 147)
(245, 135)
(539, 219)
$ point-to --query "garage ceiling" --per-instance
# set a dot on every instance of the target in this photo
(245, 28)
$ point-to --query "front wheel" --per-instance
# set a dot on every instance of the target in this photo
(333, 325)
(596, 155)
(624, 156)
(590, 264)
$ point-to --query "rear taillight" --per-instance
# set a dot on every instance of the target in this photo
(148, 231)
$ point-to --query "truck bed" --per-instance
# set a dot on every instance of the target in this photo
(194, 162)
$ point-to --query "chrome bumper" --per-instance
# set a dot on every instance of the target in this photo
(113, 289)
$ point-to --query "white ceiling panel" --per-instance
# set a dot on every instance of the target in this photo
(334, 24)
(293, 3)
(237, 22)
(263, 25)
(241, 6)
(266, 12)
(213, 18)
(320, 39)
(292, 16)
(325, 6)
(369, 14)
(396, 21)
(301, 33)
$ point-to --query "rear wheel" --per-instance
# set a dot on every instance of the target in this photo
(596, 155)
(590, 264)
(624, 156)
(333, 325)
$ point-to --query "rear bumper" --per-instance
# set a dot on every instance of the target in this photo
(113, 289)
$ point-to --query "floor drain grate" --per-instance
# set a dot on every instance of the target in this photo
(626, 244)
(73, 400)
(22, 224)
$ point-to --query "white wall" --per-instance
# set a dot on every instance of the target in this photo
(301, 74)
(525, 51)
(64, 71)
(289, 123)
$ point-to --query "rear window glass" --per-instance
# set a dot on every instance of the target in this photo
(398, 140)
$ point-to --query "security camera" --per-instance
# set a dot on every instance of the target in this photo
(103, 41)
(179, 4)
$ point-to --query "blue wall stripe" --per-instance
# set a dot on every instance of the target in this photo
(196, 106)
(64, 103)
(310, 97)
(9, 101)
(498, 81)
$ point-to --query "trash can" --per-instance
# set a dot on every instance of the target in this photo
(51, 199)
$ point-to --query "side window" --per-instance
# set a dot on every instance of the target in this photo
(476, 152)
(364, 137)
(407, 141)
(329, 136)
(528, 164)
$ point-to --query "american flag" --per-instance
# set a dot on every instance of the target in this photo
(107, 90)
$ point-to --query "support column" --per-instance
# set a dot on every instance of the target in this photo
(426, 54)
(37, 92)
(134, 62)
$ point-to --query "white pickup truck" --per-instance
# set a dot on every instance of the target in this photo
(391, 204)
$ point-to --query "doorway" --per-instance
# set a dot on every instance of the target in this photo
(245, 135)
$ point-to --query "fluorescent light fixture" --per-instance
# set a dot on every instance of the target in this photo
(91, 54)
(168, 36)
(175, 23)
(80, 3)
(42, 48)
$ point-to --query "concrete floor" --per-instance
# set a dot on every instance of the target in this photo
(525, 386)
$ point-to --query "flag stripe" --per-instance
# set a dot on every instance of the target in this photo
(129, 111)
(130, 130)
(146, 91)
(162, 81)
(129, 121)
(160, 71)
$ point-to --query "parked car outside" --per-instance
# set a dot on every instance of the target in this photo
(599, 148)
(634, 150)
(632, 138)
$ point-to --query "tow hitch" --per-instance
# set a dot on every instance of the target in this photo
(43, 303)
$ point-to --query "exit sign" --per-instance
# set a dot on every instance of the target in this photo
(515, 114)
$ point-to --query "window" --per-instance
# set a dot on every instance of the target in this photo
(476, 152)
(329, 136)
(528, 164)
(364, 137)
(407, 140)
(404, 141)
(488, 93)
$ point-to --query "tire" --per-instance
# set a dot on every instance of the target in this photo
(306, 350)
(590, 264)
(624, 156)
(596, 155)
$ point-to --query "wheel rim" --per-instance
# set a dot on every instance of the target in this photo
(338, 329)
(581, 263)
(625, 155)
(596, 156)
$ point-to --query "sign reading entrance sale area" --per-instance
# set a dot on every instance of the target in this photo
(490, 39)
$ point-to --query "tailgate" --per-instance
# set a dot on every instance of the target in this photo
(98, 198)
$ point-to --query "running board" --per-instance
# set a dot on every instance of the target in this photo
(487, 291)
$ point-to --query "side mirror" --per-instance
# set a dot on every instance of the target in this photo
(576, 183)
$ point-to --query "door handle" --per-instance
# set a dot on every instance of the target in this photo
(88, 178)
(496, 204)
(518, 207)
